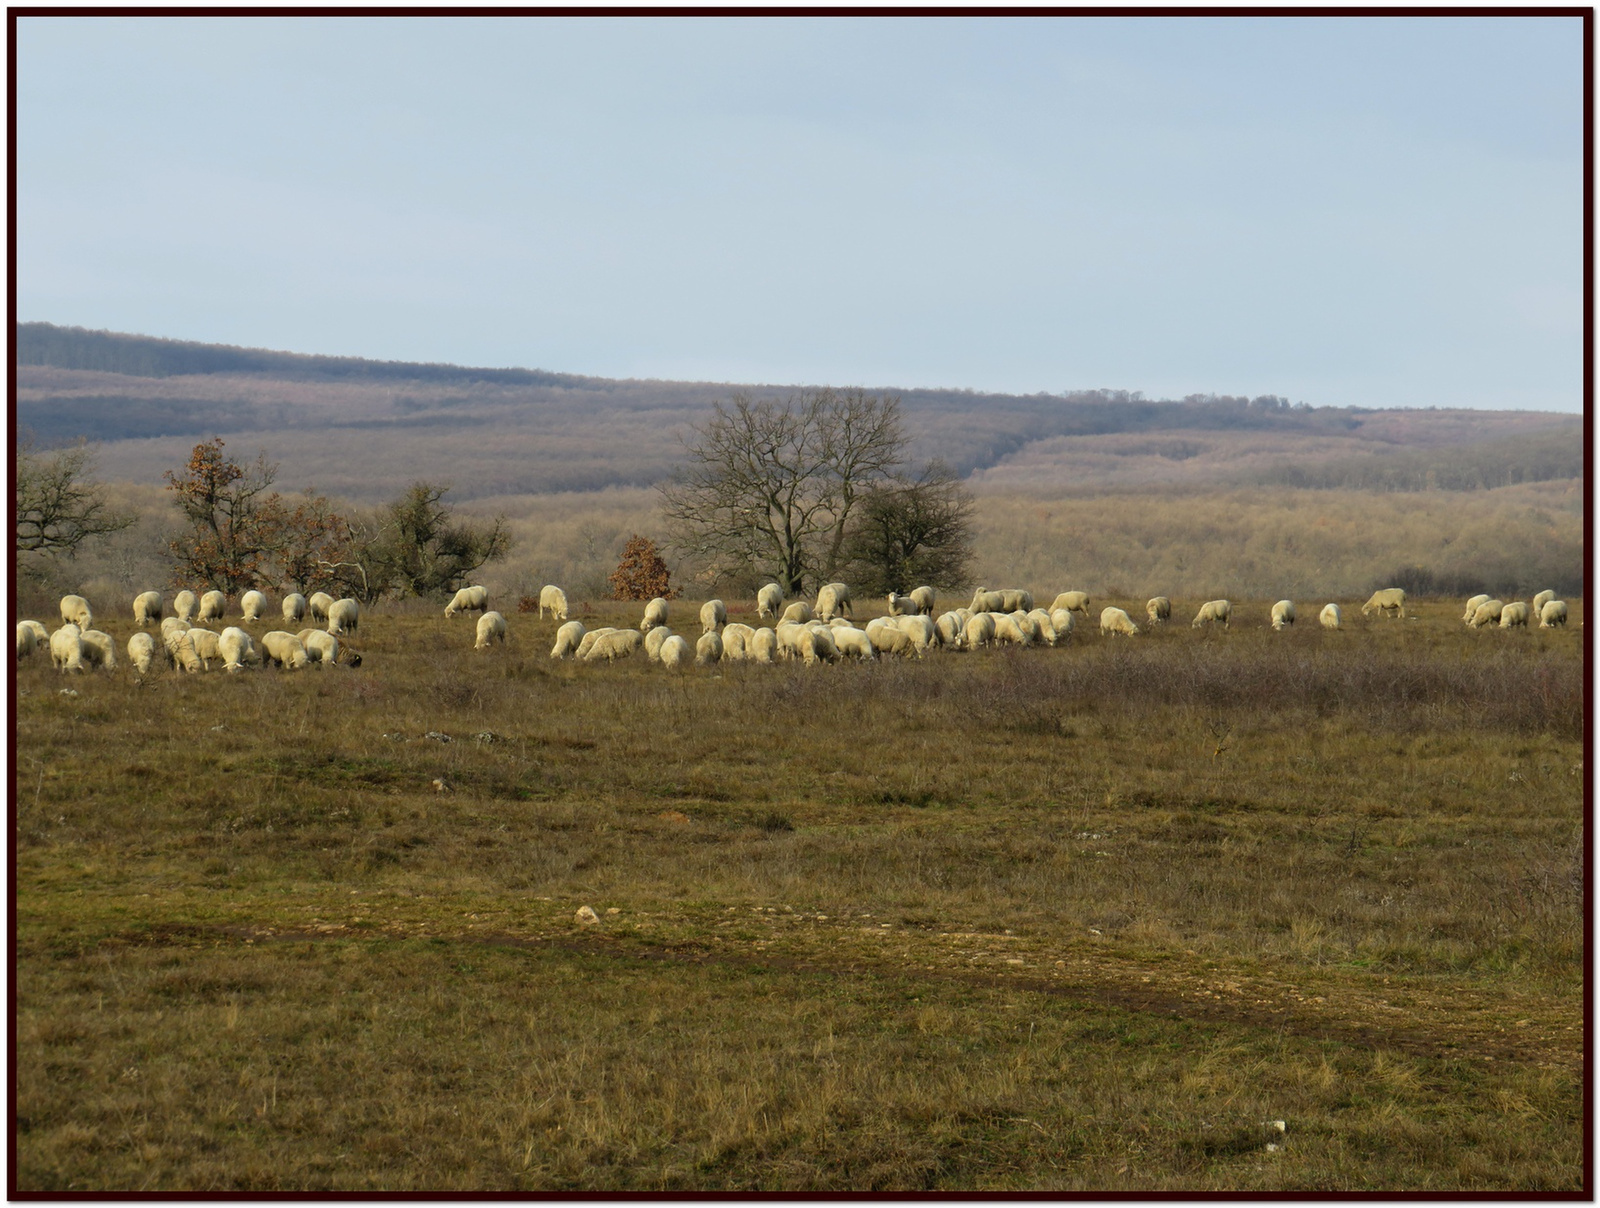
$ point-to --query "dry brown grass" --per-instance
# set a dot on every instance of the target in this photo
(1065, 919)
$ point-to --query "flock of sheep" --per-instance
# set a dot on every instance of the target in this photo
(820, 632)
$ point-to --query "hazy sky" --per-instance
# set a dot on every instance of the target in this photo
(1367, 211)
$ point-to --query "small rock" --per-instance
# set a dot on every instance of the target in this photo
(587, 916)
(440, 786)
(1273, 1148)
(215, 729)
(395, 737)
(438, 737)
(673, 816)
(69, 692)
(488, 736)
(1280, 1125)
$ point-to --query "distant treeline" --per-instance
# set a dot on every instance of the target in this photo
(1503, 462)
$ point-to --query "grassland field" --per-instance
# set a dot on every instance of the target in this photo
(1091, 918)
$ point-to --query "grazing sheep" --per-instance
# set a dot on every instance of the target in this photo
(979, 631)
(205, 644)
(322, 648)
(236, 649)
(762, 645)
(41, 635)
(567, 639)
(184, 605)
(1114, 620)
(1472, 608)
(618, 644)
(1072, 601)
(949, 626)
(984, 600)
(282, 649)
(768, 600)
(924, 597)
(1330, 616)
(1282, 614)
(1044, 627)
(921, 630)
(319, 603)
(1213, 610)
(655, 613)
(99, 649)
(816, 645)
(708, 649)
(1540, 600)
(27, 641)
(75, 611)
(713, 616)
(736, 641)
(1158, 610)
(797, 613)
(1488, 614)
(475, 599)
(833, 600)
(147, 607)
(344, 616)
(1513, 615)
(653, 640)
(141, 651)
(854, 643)
(1552, 614)
(586, 643)
(674, 651)
(1008, 631)
(1064, 620)
(180, 647)
(1386, 600)
(789, 638)
(251, 605)
(294, 608)
(212, 606)
(491, 628)
(903, 606)
(1015, 599)
(66, 648)
(553, 598)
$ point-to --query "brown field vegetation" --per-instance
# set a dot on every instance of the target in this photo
(1078, 919)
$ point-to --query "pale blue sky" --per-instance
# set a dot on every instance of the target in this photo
(1347, 211)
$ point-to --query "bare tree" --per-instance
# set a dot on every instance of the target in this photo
(910, 532)
(768, 488)
(59, 505)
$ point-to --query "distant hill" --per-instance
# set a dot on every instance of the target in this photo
(354, 427)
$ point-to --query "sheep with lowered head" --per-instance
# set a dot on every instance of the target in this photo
(713, 616)
(586, 643)
(553, 598)
(1540, 600)
(237, 649)
(474, 598)
(75, 611)
(205, 644)
(27, 641)
(1064, 619)
(1115, 621)
(833, 600)
(1044, 627)
(1488, 614)
(618, 644)
(319, 603)
(980, 631)
(1015, 599)
(675, 651)
(99, 649)
(708, 649)
(280, 649)
(1472, 608)
(147, 606)
(768, 600)
(924, 596)
(294, 608)
(252, 605)
(797, 613)
(949, 626)
(655, 613)
(184, 605)
(736, 640)
(1008, 631)
(1330, 616)
(763, 645)
(141, 652)
(1072, 601)
(66, 648)
(567, 639)
(1282, 614)
(1514, 614)
(344, 616)
(322, 648)
(984, 600)
(491, 629)
(1213, 611)
(854, 643)
(1386, 600)
(921, 630)
(212, 606)
(653, 641)
(1552, 614)
(1158, 610)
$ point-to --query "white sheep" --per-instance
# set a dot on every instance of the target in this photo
(797, 613)
(1472, 608)
(854, 643)
(713, 616)
(762, 645)
(708, 649)
(979, 631)
(252, 605)
(180, 649)
(75, 611)
(553, 598)
(1552, 614)
(1115, 621)
(471, 599)
(321, 647)
(1015, 599)
(675, 651)
(147, 607)
(41, 635)
(1330, 616)
(1044, 627)
(1158, 610)
(1282, 614)
(1386, 600)
(1064, 619)
(1072, 601)
(833, 600)
(653, 641)
(768, 600)
(282, 649)
(788, 633)
(902, 606)
(66, 648)
(294, 608)
(1009, 631)
(212, 606)
(886, 636)
(816, 645)
(949, 626)
(491, 628)
(964, 615)
(319, 603)
(655, 613)
(586, 643)
(984, 600)
(1514, 614)
(736, 641)
(1540, 600)
(1488, 614)
(184, 605)
(567, 639)
(206, 645)
(921, 630)
(344, 616)
(99, 649)
(27, 641)
(237, 649)
(141, 651)
(618, 644)
(924, 596)
(1213, 610)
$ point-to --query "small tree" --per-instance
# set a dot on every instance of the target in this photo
(237, 523)
(641, 575)
(59, 505)
(909, 533)
(420, 549)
